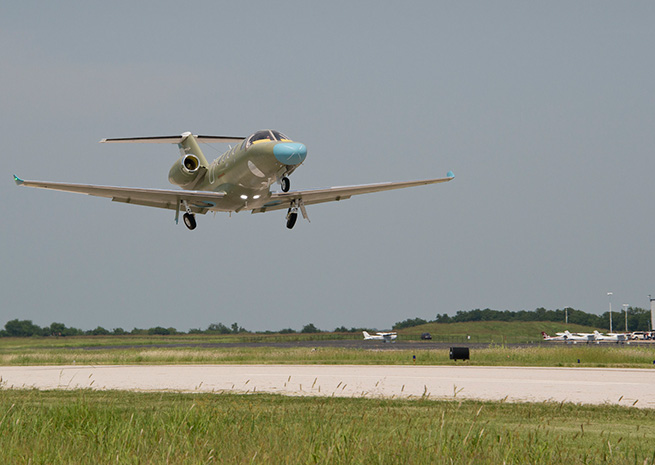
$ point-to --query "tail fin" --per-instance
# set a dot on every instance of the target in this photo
(366, 335)
(544, 335)
(187, 143)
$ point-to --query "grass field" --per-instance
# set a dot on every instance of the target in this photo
(126, 427)
(21, 352)
(114, 427)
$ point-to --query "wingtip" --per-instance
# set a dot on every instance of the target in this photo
(450, 174)
(18, 180)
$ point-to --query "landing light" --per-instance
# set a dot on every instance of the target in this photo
(256, 196)
(244, 197)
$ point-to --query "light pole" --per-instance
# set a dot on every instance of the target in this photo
(625, 309)
(566, 315)
(609, 295)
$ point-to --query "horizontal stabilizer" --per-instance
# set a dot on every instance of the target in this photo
(172, 139)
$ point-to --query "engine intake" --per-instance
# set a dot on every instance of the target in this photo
(185, 171)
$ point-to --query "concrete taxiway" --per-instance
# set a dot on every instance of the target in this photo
(627, 387)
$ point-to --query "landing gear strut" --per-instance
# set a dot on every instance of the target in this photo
(285, 184)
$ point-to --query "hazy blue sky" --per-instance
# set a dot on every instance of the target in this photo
(544, 111)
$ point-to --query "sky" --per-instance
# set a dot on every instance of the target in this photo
(545, 112)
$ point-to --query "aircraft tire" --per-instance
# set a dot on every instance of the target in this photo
(189, 221)
(291, 220)
(285, 184)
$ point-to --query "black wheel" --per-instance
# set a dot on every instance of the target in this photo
(291, 220)
(189, 220)
(285, 184)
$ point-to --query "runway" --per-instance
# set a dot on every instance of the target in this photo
(626, 387)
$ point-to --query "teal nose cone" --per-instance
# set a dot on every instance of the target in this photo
(290, 153)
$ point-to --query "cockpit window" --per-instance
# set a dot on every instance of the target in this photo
(279, 136)
(265, 135)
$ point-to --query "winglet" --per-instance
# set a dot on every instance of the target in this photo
(450, 174)
(18, 180)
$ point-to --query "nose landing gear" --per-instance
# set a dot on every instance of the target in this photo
(285, 184)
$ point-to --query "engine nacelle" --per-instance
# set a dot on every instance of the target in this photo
(185, 171)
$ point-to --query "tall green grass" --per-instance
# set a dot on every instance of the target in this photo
(121, 427)
(593, 355)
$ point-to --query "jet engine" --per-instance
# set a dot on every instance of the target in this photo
(185, 172)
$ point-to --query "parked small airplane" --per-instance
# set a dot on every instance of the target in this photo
(560, 337)
(238, 180)
(386, 337)
(578, 337)
(611, 337)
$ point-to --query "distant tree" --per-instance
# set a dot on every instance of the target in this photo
(22, 328)
(236, 329)
(196, 331)
(99, 331)
(341, 329)
(158, 330)
(139, 332)
(287, 331)
(218, 328)
(408, 323)
(118, 332)
(57, 329)
(310, 328)
(442, 318)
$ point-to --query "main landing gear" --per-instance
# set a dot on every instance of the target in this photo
(292, 213)
(292, 216)
(285, 184)
(189, 220)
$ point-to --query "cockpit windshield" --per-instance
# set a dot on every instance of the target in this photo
(266, 135)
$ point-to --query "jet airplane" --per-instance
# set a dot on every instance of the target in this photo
(239, 180)
(386, 337)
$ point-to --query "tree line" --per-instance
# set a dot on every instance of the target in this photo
(26, 328)
(638, 318)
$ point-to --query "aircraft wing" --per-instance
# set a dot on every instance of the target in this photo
(280, 200)
(199, 201)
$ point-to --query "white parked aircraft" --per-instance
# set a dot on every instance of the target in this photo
(559, 337)
(611, 337)
(578, 337)
(386, 337)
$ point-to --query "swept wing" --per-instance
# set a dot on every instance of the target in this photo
(282, 200)
(198, 201)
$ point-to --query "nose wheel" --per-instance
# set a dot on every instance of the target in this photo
(285, 184)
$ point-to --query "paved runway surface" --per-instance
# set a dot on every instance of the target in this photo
(515, 384)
